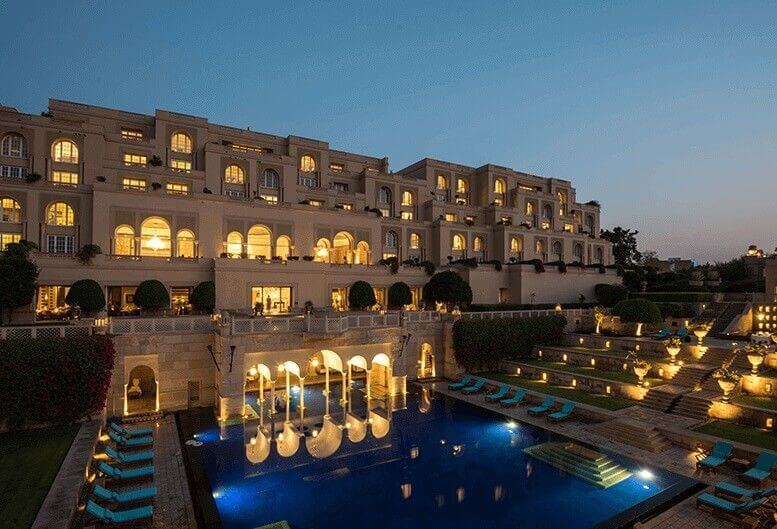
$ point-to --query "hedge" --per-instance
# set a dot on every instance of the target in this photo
(152, 295)
(54, 379)
(675, 297)
(203, 297)
(637, 311)
(399, 295)
(483, 344)
(609, 295)
(447, 287)
(87, 294)
(361, 295)
(677, 310)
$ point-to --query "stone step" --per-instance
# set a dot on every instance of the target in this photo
(632, 433)
(588, 465)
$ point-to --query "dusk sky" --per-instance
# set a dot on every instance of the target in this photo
(665, 112)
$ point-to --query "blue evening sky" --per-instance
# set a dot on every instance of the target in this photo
(665, 112)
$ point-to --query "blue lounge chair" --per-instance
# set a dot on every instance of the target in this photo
(564, 413)
(515, 399)
(134, 442)
(719, 455)
(464, 382)
(735, 491)
(682, 333)
(499, 395)
(727, 509)
(662, 334)
(546, 405)
(126, 475)
(476, 387)
(110, 517)
(763, 468)
(124, 497)
(134, 457)
(121, 430)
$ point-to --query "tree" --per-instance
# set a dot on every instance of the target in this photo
(361, 295)
(18, 278)
(87, 294)
(624, 246)
(399, 295)
(638, 311)
(447, 287)
(609, 295)
(152, 295)
(203, 297)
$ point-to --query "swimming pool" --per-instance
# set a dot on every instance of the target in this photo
(428, 462)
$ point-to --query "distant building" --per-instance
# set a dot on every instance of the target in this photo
(673, 264)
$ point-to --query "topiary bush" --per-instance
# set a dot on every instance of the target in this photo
(610, 295)
(152, 295)
(483, 344)
(447, 287)
(399, 295)
(54, 379)
(361, 295)
(87, 294)
(203, 297)
(637, 311)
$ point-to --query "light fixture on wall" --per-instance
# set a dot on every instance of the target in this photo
(155, 243)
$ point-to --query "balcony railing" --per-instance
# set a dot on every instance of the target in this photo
(45, 331)
(266, 325)
(423, 316)
(509, 314)
(160, 325)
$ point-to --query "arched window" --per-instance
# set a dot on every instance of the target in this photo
(562, 198)
(60, 214)
(155, 238)
(234, 245)
(589, 222)
(557, 250)
(10, 211)
(283, 247)
(384, 195)
(307, 164)
(516, 246)
(64, 151)
(259, 242)
(391, 239)
(234, 174)
(499, 186)
(459, 243)
(600, 256)
(529, 208)
(342, 247)
(477, 244)
(362, 253)
(181, 142)
(415, 241)
(462, 186)
(547, 211)
(539, 246)
(442, 182)
(13, 146)
(124, 240)
(322, 250)
(407, 198)
(184, 243)
(578, 251)
(269, 179)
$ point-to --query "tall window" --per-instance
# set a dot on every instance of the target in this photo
(269, 179)
(557, 250)
(234, 245)
(10, 211)
(60, 214)
(477, 244)
(184, 243)
(124, 240)
(234, 174)
(459, 243)
(442, 182)
(407, 198)
(155, 238)
(600, 256)
(259, 242)
(384, 195)
(307, 164)
(283, 247)
(547, 211)
(64, 151)
(415, 241)
(64, 178)
(578, 251)
(12, 145)
(499, 186)
(539, 246)
(391, 239)
(322, 250)
(462, 186)
(362, 255)
(515, 245)
(530, 208)
(181, 142)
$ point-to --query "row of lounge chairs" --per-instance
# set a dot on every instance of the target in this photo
(666, 332)
(733, 503)
(129, 461)
(469, 385)
(762, 469)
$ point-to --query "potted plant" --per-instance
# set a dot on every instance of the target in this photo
(673, 345)
(727, 380)
(155, 161)
(31, 178)
(701, 330)
(87, 253)
(641, 367)
(156, 186)
(756, 354)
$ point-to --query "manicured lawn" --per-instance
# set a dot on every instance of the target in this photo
(593, 399)
(617, 376)
(29, 461)
(741, 434)
(768, 403)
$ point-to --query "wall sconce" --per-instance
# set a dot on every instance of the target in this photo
(564, 357)
(608, 390)
(580, 340)
(539, 353)
(607, 344)
(517, 370)
(661, 371)
(768, 387)
(574, 383)
(769, 423)
(593, 362)
(544, 377)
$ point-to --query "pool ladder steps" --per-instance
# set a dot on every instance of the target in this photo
(588, 465)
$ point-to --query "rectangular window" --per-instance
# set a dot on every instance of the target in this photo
(273, 299)
(569, 228)
(60, 244)
(181, 165)
(180, 299)
(407, 215)
(234, 193)
(135, 159)
(270, 199)
(64, 178)
(339, 299)
(340, 186)
(525, 188)
(506, 219)
(51, 302)
(174, 188)
(12, 171)
(348, 207)
(388, 255)
(131, 134)
(247, 148)
(317, 203)
(8, 238)
(545, 225)
(337, 167)
(134, 184)
(308, 181)
(380, 296)
(451, 217)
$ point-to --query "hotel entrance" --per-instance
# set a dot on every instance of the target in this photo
(271, 299)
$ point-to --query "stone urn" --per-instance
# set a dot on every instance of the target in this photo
(727, 385)
(673, 351)
(756, 359)
(700, 334)
(641, 369)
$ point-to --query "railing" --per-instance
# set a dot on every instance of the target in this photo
(424, 316)
(160, 325)
(264, 325)
(45, 331)
(491, 315)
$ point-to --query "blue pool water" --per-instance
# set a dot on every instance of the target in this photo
(442, 464)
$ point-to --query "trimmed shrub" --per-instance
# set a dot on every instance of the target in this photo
(152, 295)
(87, 294)
(54, 379)
(483, 344)
(399, 295)
(610, 295)
(677, 310)
(675, 297)
(447, 287)
(637, 311)
(203, 297)
(361, 295)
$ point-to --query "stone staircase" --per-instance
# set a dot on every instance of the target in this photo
(663, 398)
(632, 433)
(589, 465)
(695, 405)
(732, 310)
(692, 375)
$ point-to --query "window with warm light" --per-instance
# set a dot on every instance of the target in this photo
(337, 167)
(321, 251)
(477, 244)
(181, 165)
(269, 179)
(407, 198)
(12, 146)
(177, 188)
(181, 142)
(64, 151)
(545, 225)
(569, 228)
(442, 182)
(406, 215)
(459, 243)
(124, 240)
(451, 217)
(462, 186)
(132, 134)
(8, 238)
(60, 214)
(539, 246)
(155, 238)
(64, 178)
(415, 241)
(133, 184)
(274, 299)
(499, 186)
(529, 208)
(346, 206)
(317, 203)
(10, 210)
(135, 159)
(307, 164)
(234, 245)
(234, 174)
(259, 242)
(516, 245)
(283, 247)
(184, 244)
(270, 199)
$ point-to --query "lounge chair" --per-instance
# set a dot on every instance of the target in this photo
(764, 465)
(121, 430)
(662, 334)
(133, 442)
(719, 455)
(515, 399)
(476, 387)
(682, 333)
(127, 517)
(132, 474)
(128, 459)
(546, 405)
(735, 491)
(126, 497)
(564, 413)
(461, 384)
(499, 395)
(727, 509)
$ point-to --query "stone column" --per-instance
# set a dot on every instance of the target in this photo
(231, 385)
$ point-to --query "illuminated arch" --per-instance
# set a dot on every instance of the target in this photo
(234, 244)
(155, 238)
(307, 164)
(259, 241)
(459, 243)
(499, 186)
(342, 247)
(283, 246)
(124, 240)
(362, 255)
(181, 142)
(60, 214)
(322, 250)
(234, 174)
(516, 245)
(10, 210)
(184, 243)
(64, 151)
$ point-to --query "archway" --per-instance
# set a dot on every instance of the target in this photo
(326, 368)
(155, 238)
(141, 392)
(322, 250)
(259, 242)
(342, 248)
(259, 380)
(283, 247)
(380, 376)
(426, 361)
(362, 255)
